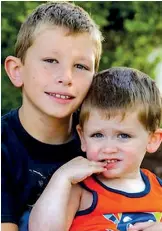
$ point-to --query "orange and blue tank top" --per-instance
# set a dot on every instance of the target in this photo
(114, 210)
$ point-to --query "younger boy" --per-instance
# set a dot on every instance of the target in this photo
(119, 122)
(57, 53)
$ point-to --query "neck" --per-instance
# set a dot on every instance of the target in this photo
(45, 128)
(133, 183)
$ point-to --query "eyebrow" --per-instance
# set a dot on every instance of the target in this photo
(87, 59)
(54, 52)
(78, 56)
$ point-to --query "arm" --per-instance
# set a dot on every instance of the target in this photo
(147, 226)
(51, 209)
(9, 227)
(73, 204)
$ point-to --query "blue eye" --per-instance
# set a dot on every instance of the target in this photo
(80, 66)
(51, 60)
(97, 135)
(124, 136)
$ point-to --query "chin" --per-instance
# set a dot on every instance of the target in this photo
(109, 174)
(56, 114)
(59, 116)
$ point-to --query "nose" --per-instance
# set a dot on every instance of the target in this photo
(65, 77)
(110, 148)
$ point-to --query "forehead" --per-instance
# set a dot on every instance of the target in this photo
(55, 35)
(105, 118)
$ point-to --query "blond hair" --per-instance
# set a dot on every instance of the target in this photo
(61, 14)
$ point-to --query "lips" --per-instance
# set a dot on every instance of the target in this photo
(110, 161)
(60, 95)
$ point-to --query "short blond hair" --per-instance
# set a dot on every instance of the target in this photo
(61, 14)
(120, 90)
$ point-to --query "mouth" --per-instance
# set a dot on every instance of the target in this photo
(110, 164)
(110, 161)
(63, 96)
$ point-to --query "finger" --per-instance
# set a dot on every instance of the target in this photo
(143, 225)
(97, 163)
(97, 169)
(132, 228)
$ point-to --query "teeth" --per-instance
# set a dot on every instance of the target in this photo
(60, 96)
(111, 161)
(63, 97)
(57, 95)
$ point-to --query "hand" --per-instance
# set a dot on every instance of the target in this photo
(146, 226)
(79, 168)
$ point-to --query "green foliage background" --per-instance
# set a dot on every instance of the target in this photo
(132, 30)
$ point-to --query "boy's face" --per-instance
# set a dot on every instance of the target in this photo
(58, 71)
(122, 144)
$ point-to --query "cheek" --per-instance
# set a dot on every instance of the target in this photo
(138, 147)
(134, 155)
(92, 154)
(40, 79)
(38, 71)
(83, 85)
(130, 152)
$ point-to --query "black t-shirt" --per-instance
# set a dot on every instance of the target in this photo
(27, 166)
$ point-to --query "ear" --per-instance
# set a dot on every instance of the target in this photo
(12, 67)
(80, 133)
(155, 140)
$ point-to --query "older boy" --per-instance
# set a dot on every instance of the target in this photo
(57, 53)
(119, 122)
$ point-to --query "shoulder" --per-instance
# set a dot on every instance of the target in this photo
(14, 178)
(11, 146)
(7, 134)
(152, 177)
(4, 123)
(8, 116)
(8, 121)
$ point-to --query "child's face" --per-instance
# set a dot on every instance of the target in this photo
(122, 144)
(58, 71)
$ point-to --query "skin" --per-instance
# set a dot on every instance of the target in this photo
(56, 63)
(147, 226)
(102, 140)
(9, 227)
(123, 141)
